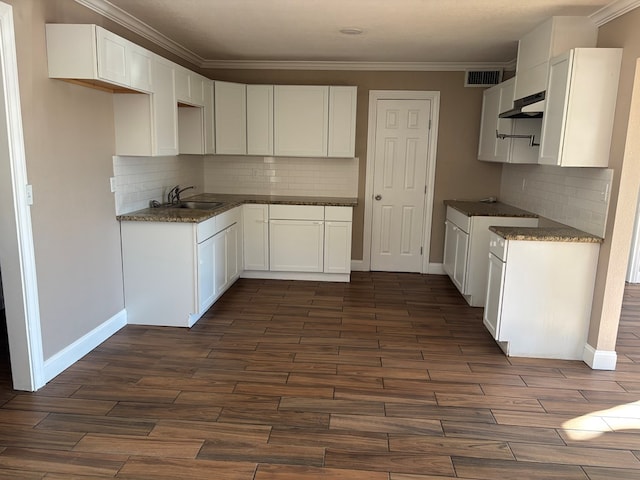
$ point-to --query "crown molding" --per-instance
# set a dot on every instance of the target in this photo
(613, 11)
(354, 66)
(119, 16)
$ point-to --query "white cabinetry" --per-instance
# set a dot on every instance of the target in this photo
(342, 121)
(260, 119)
(549, 39)
(173, 272)
(296, 238)
(466, 247)
(256, 237)
(230, 118)
(539, 296)
(581, 101)
(301, 120)
(140, 63)
(148, 124)
(189, 87)
(337, 239)
(496, 142)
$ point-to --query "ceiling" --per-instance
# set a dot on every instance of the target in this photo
(219, 33)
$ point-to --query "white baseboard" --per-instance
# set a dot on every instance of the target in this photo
(359, 266)
(436, 269)
(599, 359)
(308, 276)
(66, 357)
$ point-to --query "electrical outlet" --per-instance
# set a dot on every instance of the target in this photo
(112, 184)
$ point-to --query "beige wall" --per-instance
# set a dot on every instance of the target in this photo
(458, 173)
(69, 142)
(625, 161)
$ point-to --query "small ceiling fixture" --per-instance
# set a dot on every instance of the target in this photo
(351, 31)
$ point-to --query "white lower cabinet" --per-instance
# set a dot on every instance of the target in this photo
(173, 272)
(466, 246)
(255, 219)
(296, 245)
(337, 247)
(539, 296)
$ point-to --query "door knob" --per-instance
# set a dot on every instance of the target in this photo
(378, 197)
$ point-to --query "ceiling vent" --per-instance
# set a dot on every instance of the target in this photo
(482, 78)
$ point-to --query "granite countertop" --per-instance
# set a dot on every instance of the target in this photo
(546, 234)
(486, 209)
(228, 201)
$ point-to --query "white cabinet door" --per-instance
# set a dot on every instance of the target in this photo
(112, 57)
(140, 63)
(296, 245)
(231, 246)
(165, 108)
(489, 124)
(450, 239)
(189, 87)
(342, 121)
(337, 247)
(209, 119)
(206, 280)
(256, 237)
(230, 118)
(580, 107)
(460, 262)
(260, 119)
(301, 120)
(493, 300)
(220, 262)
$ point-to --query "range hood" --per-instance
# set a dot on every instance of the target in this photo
(531, 106)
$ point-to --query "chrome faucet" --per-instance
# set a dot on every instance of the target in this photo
(174, 194)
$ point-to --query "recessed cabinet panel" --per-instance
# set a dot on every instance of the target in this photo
(260, 119)
(296, 245)
(165, 108)
(256, 237)
(301, 120)
(112, 57)
(342, 121)
(140, 68)
(230, 118)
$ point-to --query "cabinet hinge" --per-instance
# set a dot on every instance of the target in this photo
(425, 189)
(429, 124)
(420, 250)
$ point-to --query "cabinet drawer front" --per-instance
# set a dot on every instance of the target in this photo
(498, 246)
(206, 229)
(338, 214)
(296, 212)
(458, 218)
(228, 218)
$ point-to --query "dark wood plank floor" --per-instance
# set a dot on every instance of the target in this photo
(390, 377)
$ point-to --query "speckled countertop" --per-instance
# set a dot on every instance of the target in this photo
(485, 209)
(548, 231)
(546, 234)
(172, 214)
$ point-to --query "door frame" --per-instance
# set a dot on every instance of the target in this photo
(374, 96)
(22, 307)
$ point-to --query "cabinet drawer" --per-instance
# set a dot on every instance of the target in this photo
(206, 229)
(498, 246)
(228, 218)
(458, 218)
(338, 214)
(296, 212)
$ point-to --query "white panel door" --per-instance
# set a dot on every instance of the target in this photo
(230, 107)
(206, 281)
(112, 57)
(400, 170)
(260, 119)
(255, 237)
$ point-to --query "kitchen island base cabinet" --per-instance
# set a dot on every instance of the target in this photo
(173, 272)
(539, 297)
(466, 247)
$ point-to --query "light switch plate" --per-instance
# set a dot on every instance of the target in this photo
(112, 184)
(29, 191)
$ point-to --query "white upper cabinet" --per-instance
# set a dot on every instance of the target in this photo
(342, 121)
(91, 53)
(190, 87)
(260, 119)
(301, 120)
(504, 139)
(549, 39)
(209, 119)
(581, 102)
(230, 118)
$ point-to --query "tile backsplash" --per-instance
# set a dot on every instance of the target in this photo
(321, 177)
(142, 179)
(578, 197)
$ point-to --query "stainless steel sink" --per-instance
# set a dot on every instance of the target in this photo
(197, 205)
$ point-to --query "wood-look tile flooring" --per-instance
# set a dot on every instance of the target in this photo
(390, 377)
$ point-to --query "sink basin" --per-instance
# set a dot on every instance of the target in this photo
(197, 205)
